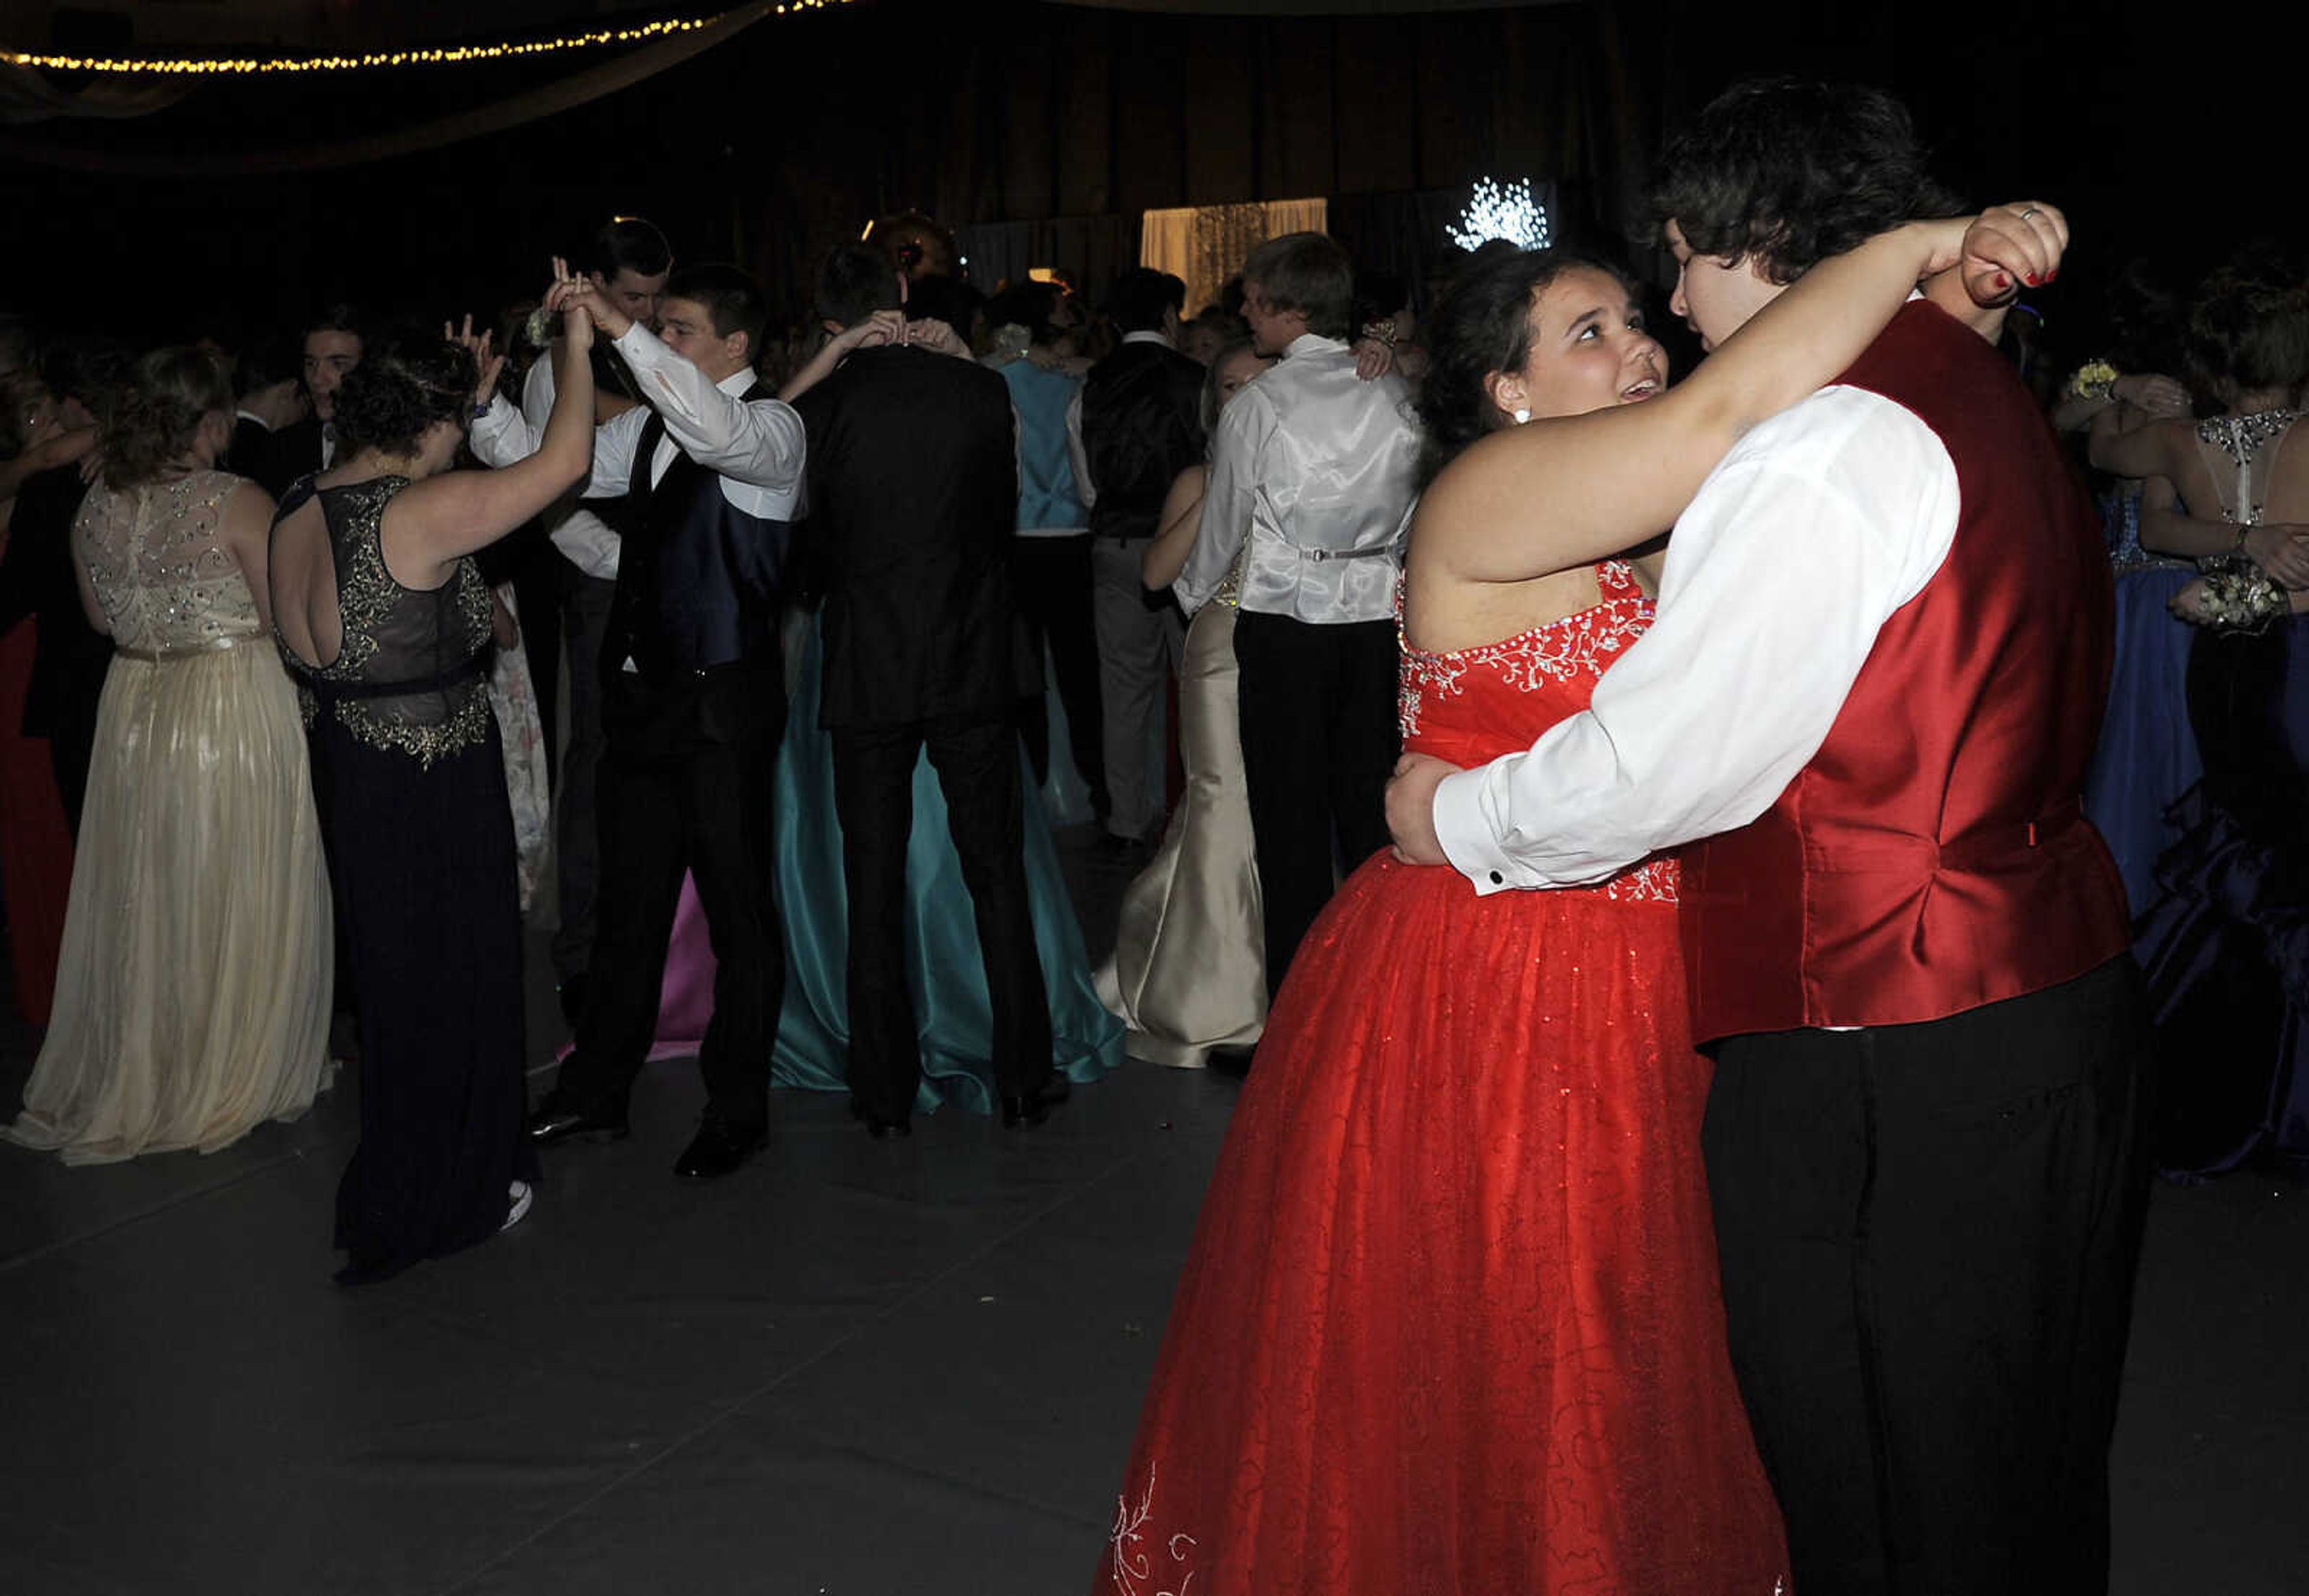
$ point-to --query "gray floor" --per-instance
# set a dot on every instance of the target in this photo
(853, 1369)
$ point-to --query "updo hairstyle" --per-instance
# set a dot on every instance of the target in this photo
(158, 417)
(2248, 328)
(1482, 323)
(390, 400)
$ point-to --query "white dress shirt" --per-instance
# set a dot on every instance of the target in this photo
(584, 538)
(1085, 490)
(757, 448)
(1807, 537)
(1318, 468)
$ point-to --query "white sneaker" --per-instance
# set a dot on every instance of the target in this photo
(518, 1197)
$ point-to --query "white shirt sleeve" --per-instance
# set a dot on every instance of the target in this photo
(1228, 496)
(760, 443)
(1802, 543)
(583, 538)
(537, 391)
(1085, 490)
(505, 437)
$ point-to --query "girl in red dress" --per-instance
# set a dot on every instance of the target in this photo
(1451, 1322)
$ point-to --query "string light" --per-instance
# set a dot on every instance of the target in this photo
(446, 56)
(1502, 211)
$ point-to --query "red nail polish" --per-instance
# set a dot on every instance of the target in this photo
(2054, 276)
(2030, 279)
(2002, 282)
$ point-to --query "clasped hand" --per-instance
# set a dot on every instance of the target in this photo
(2000, 250)
(1411, 807)
(2281, 549)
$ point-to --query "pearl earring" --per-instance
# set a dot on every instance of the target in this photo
(1521, 416)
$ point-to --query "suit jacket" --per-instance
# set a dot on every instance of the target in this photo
(913, 488)
(296, 452)
(252, 455)
(1141, 427)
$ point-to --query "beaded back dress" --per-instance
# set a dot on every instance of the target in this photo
(192, 994)
(410, 776)
(2226, 946)
(1451, 1322)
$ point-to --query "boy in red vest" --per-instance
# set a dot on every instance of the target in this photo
(1876, 678)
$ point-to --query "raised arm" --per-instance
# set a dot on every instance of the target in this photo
(1568, 490)
(2126, 441)
(433, 523)
(884, 326)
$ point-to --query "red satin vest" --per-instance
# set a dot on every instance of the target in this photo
(1933, 857)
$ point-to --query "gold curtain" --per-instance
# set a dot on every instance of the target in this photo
(1206, 244)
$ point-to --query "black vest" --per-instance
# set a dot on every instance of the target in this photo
(698, 578)
(1140, 430)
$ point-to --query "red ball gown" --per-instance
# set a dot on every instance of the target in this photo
(1451, 1324)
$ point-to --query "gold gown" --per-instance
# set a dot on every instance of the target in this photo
(194, 990)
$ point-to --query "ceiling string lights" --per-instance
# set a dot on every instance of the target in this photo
(444, 56)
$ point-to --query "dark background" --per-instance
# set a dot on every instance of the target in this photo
(2160, 133)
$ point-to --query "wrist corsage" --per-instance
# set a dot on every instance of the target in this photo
(2239, 596)
(2093, 380)
(1381, 331)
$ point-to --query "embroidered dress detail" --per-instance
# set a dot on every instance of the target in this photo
(1570, 652)
(409, 675)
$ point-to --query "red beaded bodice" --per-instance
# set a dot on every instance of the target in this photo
(1469, 706)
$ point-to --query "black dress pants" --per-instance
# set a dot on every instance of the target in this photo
(1317, 705)
(1928, 1235)
(1054, 601)
(978, 765)
(685, 783)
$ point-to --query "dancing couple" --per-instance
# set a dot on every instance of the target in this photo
(1452, 1321)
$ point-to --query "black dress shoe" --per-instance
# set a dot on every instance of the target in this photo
(557, 1119)
(1025, 1110)
(880, 1126)
(718, 1148)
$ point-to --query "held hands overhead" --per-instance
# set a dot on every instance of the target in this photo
(582, 307)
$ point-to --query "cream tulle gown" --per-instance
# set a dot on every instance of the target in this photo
(193, 995)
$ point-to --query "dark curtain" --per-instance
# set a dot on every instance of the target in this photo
(800, 130)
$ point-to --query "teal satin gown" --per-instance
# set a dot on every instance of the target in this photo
(947, 974)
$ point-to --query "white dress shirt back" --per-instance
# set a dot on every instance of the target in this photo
(1316, 468)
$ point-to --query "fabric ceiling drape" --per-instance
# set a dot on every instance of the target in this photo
(1206, 244)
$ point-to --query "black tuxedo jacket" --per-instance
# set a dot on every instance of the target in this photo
(912, 491)
(295, 452)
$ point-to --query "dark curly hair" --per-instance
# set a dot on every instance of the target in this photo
(159, 413)
(1482, 323)
(1789, 171)
(2248, 326)
(388, 400)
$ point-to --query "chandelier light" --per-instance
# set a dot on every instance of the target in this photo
(1502, 211)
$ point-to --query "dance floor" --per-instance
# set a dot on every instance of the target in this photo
(855, 1368)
